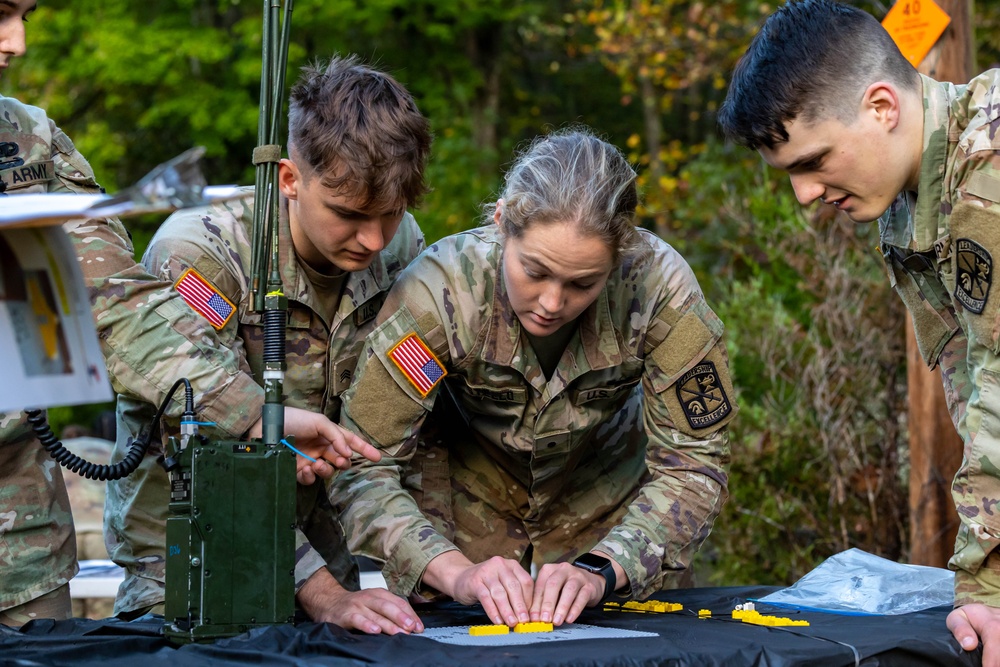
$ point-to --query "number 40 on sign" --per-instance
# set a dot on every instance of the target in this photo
(915, 25)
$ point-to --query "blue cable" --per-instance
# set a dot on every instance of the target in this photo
(305, 456)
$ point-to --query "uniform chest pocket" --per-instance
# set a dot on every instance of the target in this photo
(924, 295)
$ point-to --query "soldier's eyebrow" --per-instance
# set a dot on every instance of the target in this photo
(806, 159)
(11, 4)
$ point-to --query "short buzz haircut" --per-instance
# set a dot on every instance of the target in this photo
(360, 131)
(811, 60)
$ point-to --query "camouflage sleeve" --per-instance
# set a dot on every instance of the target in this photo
(308, 560)
(145, 327)
(687, 402)
(141, 321)
(381, 520)
(37, 540)
(971, 378)
(211, 359)
(182, 343)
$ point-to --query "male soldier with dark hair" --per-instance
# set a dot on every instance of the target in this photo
(357, 150)
(824, 94)
(37, 549)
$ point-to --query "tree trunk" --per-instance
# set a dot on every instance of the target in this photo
(935, 447)
(653, 130)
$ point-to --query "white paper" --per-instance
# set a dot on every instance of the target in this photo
(55, 208)
(50, 349)
(459, 634)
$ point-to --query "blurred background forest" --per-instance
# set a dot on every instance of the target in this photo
(814, 334)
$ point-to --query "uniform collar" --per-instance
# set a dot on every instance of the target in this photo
(938, 98)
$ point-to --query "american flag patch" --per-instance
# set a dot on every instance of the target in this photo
(418, 363)
(205, 299)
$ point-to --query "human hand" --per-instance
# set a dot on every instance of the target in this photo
(501, 585)
(373, 610)
(973, 622)
(562, 591)
(318, 437)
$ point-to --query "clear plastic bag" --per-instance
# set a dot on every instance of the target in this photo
(857, 582)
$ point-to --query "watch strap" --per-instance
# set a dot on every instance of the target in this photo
(607, 571)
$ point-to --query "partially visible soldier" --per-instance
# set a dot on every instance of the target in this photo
(37, 541)
(824, 94)
(37, 548)
(357, 150)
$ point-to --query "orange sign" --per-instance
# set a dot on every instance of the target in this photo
(915, 26)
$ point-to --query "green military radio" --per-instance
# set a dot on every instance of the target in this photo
(231, 529)
(230, 551)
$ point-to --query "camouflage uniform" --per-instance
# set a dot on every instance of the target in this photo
(623, 450)
(86, 497)
(37, 542)
(940, 250)
(322, 355)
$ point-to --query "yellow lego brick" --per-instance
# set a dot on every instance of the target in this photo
(484, 630)
(756, 618)
(781, 621)
(612, 604)
(652, 606)
(533, 627)
(704, 613)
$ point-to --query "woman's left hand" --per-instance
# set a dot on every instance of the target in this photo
(562, 591)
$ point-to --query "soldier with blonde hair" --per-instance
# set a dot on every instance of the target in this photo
(549, 390)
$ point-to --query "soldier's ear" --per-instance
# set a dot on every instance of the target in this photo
(498, 212)
(288, 178)
(881, 102)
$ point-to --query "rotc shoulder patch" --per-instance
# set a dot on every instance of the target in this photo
(975, 275)
(417, 363)
(207, 301)
(702, 398)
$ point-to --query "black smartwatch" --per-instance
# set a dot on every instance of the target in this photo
(599, 565)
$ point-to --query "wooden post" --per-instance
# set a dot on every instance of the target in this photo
(935, 448)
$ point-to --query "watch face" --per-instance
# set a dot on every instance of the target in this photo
(592, 561)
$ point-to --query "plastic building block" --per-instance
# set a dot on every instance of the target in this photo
(484, 630)
(748, 614)
(653, 606)
(533, 627)
(704, 613)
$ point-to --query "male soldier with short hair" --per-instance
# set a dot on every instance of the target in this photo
(357, 150)
(824, 94)
(37, 548)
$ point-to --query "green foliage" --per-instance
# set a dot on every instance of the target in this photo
(815, 343)
(812, 330)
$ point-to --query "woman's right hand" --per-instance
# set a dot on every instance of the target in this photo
(501, 585)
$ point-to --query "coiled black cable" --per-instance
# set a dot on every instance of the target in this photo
(137, 450)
